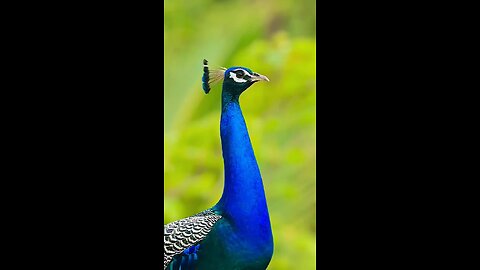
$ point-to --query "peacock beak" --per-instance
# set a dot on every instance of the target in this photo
(259, 77)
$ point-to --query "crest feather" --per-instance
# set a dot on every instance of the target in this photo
(211, 76)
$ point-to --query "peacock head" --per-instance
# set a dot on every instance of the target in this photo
(235, 79)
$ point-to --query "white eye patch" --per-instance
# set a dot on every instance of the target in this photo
(233, 75)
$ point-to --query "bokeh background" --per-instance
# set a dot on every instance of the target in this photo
(274, 38)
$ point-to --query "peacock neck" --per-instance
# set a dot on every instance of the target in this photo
(243, 196)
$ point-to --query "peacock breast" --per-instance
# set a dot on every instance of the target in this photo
(229, 246)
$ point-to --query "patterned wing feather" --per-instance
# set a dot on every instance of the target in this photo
(185, 233)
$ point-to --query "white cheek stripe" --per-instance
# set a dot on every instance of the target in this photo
(246, 73)
(234, 77)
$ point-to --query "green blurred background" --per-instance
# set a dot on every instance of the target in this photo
(274, 38)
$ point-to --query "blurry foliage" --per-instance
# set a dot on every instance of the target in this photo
(274, 38)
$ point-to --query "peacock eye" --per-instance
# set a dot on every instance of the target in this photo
(239, 73)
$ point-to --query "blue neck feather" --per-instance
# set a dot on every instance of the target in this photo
(243, 200)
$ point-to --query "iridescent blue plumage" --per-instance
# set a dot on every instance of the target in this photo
(236, 232)
(186, 260)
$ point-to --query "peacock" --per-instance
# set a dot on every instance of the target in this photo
(236, 232)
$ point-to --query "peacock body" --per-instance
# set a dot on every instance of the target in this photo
(235, 233)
